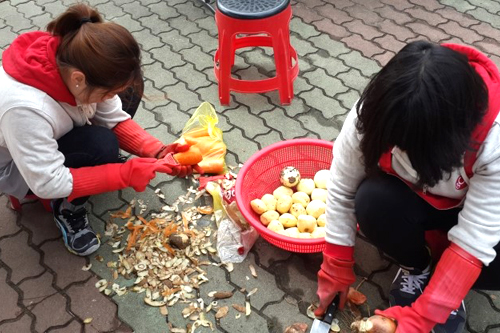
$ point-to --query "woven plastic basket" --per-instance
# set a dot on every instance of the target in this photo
(260, 175)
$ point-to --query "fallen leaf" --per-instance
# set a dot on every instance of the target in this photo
(296, 328)
(356, 296)
(222, 312)
(239, 308)
(222, 294)
(86, 268)
(164, 310)
(253, 271)
(123, 215)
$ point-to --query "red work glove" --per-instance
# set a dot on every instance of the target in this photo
(134, 139)
(456, 272)
(179, 170)
(135, 173)
(335, 276)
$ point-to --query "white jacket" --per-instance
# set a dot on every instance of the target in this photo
(478, 228)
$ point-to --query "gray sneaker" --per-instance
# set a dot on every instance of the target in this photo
(77, 234)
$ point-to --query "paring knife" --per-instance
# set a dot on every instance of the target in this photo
(323, 326)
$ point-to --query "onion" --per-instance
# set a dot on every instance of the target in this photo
(374, 324)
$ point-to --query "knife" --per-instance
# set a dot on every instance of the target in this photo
(323, 325)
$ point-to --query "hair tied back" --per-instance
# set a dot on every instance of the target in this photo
(85, 20)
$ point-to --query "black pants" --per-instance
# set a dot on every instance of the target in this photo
(394, 219)
(94, 145)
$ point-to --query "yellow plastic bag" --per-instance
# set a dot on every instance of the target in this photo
(201, 131)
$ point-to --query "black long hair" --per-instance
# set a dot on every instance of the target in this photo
(427, 101)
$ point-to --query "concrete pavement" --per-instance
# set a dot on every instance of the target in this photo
(341, 44)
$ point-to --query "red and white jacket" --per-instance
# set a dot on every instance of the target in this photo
(475, 187)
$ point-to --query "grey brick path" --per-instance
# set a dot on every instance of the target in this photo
(341, 44)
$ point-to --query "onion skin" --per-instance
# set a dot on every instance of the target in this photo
(374, 324)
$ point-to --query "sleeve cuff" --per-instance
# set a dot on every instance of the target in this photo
(340, 251)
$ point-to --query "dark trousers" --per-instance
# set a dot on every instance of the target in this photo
(395, 219)
(94, 145)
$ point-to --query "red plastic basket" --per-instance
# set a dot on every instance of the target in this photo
(260, 175)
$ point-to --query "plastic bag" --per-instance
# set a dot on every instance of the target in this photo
(235, 237)
(201, 131)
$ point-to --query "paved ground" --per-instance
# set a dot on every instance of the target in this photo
(340, 44)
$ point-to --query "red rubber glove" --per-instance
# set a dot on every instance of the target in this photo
(335, 276)
(134, 139)
(456, 272)
(135, 173)
(179, 170)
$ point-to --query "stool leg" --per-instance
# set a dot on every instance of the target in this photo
(225, 60)
(14, 203)
(281, 45)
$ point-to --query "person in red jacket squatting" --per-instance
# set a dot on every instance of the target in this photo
(62, 123)
(420, 151)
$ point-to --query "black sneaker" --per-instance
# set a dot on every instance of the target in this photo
(455, 323)
(408, 285)
(77, 234)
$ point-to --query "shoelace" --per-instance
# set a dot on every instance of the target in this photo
(411, 282)
(77, 220)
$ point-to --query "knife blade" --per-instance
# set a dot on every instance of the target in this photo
(323, 325)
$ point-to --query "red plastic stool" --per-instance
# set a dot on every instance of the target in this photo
(16, 204)
(262, 23)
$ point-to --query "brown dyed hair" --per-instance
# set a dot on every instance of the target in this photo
(105, 52)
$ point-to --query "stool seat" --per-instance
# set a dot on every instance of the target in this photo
(251, 9)
(270, 31)
(16, 204)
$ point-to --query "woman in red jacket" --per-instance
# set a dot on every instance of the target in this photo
(62, 123)
(419, 152)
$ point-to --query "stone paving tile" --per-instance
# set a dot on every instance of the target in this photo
(51, 312)
(42, 225)
(391, 13)
(6, 36)
(467, 35)
(35, 290)
(8, 306)
(477, 304)
(193, 79)
(268, 254)
(67, 266)
(23, 324)
(73, 326)
(88, 302)
(12, 18)
(9, 218)
(330, 86)
(99, 207)
(334, 30)
(283, 314)
(267, 139)
(244, 279)
(483, 15)
(29, 9)
(348, 39)
(16, 247)
(185, 25)
(242, 118)
(332, 104)
(198, 58)
(252, 323)
(128, 22)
